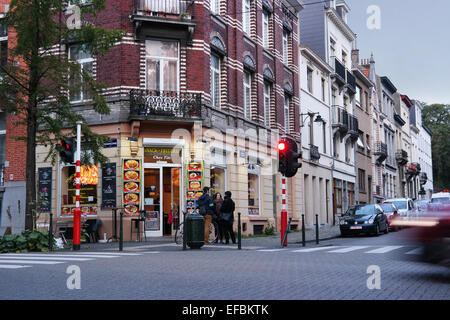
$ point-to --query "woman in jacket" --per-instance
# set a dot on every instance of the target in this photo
(218, 201)
(227, 218)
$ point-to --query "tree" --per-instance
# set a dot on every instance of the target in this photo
(437, 118)
(35, 82)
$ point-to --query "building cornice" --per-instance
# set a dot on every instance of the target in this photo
(307, 52)
(345, 29)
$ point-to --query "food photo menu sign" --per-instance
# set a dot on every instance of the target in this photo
(132, 174)
(194, 184)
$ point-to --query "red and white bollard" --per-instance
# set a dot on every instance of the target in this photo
(77, 214)
(283, 211)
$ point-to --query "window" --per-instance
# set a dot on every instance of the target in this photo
(344, 58)
(366, 101)
(287, 101)
(246, 16)
(332, 48)
(333, 97)
(215, 81)
(358, 95)
(285, 46)
(247, 94)
(215, 6)
(362, 180)
(265, 26)
(2, 142)
(324, 136)
(323, 90)
(267, 91)
(253, 194)
(162, 65)
(79, 90)
(309, 78)
(218, 180)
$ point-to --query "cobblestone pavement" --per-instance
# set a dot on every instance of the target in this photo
(336, 269)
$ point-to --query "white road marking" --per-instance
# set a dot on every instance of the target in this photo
(345, 250)
(44, 258)
(62, 255)
(271, 250)
(316, 249)
(416, 251)
(118, 253)
(12, 266)
(31, 262)
(385, 249)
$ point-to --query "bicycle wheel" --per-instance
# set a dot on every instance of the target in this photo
(179, 234)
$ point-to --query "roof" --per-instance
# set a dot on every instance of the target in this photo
(406, 100)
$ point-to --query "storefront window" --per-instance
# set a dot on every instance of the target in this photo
(88, 189)
(218, 180)
(253, 194)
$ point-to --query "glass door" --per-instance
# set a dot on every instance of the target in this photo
(153, 201)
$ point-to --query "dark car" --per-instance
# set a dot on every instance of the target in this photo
(391, 212)
(368, 219)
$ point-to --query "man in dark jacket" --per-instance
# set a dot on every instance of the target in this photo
(227, 218)
(206, 208)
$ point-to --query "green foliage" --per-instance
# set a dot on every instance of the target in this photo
(437, 118)
(26, 241)
(270, 230)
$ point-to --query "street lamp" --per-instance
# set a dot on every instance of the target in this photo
(311, 116)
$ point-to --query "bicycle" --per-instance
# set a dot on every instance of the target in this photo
(213, 233)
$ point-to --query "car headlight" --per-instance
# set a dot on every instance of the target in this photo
(343, 222)
(370, 221)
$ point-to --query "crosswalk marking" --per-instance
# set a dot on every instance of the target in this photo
(385, 249)
(315, 249)
(62, 255)
(31, 261)
(271, 250)
(345, 250)
(43, 258)
(109, 253)
(12, 266)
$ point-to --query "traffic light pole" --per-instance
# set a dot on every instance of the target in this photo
(77, 214)
(283, 211)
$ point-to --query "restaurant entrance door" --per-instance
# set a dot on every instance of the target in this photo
(162, 198)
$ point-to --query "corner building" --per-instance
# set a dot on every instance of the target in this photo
(201, 92)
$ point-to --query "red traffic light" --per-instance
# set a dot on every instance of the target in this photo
(282, 146)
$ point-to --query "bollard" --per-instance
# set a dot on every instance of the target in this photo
(239, 231)
(50, 233)
(284, 243)
(121, 231)
(317, 229)
(303, 230)
(184, 230)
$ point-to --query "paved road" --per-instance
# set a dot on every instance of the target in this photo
(337, 269)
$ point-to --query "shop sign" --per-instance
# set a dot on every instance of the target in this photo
(162, 155)
(109, 185)
(131, 180)
(45, 189)
(152, 220)
(110, 143)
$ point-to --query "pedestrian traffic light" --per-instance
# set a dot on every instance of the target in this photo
(288, 156)
(67, 150)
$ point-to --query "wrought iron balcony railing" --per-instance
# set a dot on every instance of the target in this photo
(351, 82)
(353, 127)
(402, 157)
(339, 70)
(168, 104)
(381, 152)
(339, 119)
(162, 8)
(314, 153)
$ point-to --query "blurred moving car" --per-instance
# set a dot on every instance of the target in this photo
(421, 206)
(405, 206)
(368, 219)
(391, 212)
(440, 197)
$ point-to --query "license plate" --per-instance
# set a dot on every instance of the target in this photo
(356, 228)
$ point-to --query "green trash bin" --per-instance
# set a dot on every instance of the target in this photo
(195, 231)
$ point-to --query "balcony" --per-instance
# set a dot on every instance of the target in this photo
(353, 128)
(155, 105)
(168, 18)
(402, 157)
(339, 119)
(381, 152)
(314, 154)
(351, 83)
(412, 170)
(339, 71)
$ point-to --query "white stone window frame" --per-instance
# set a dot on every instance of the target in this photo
(255, 169)
(246, 15)
(267, 105)
(265, 29)
(215, 81)
(285, 46)
(81, 62)
(215, 6)
(247, 84)
(286, 108)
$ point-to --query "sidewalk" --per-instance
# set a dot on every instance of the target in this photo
(253, 243)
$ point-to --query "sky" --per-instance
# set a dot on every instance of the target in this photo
(411, 47)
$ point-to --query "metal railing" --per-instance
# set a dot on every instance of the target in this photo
(147, 103)
(351, 80)
(339, 116)
(338, 67)
(314, 152)
(154, 7)
(402, 157)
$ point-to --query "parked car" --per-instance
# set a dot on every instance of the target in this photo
(440, 197)
(391, 212)
(368, 219)
(405, 206)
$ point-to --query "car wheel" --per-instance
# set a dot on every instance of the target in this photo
(377, 231)
(387, 228)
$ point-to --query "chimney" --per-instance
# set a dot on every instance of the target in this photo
(355, 58)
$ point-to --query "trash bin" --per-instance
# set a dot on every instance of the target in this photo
(195, 231)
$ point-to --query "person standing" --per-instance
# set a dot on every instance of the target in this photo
(218, 201)
(206, 208)
(227, 217)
